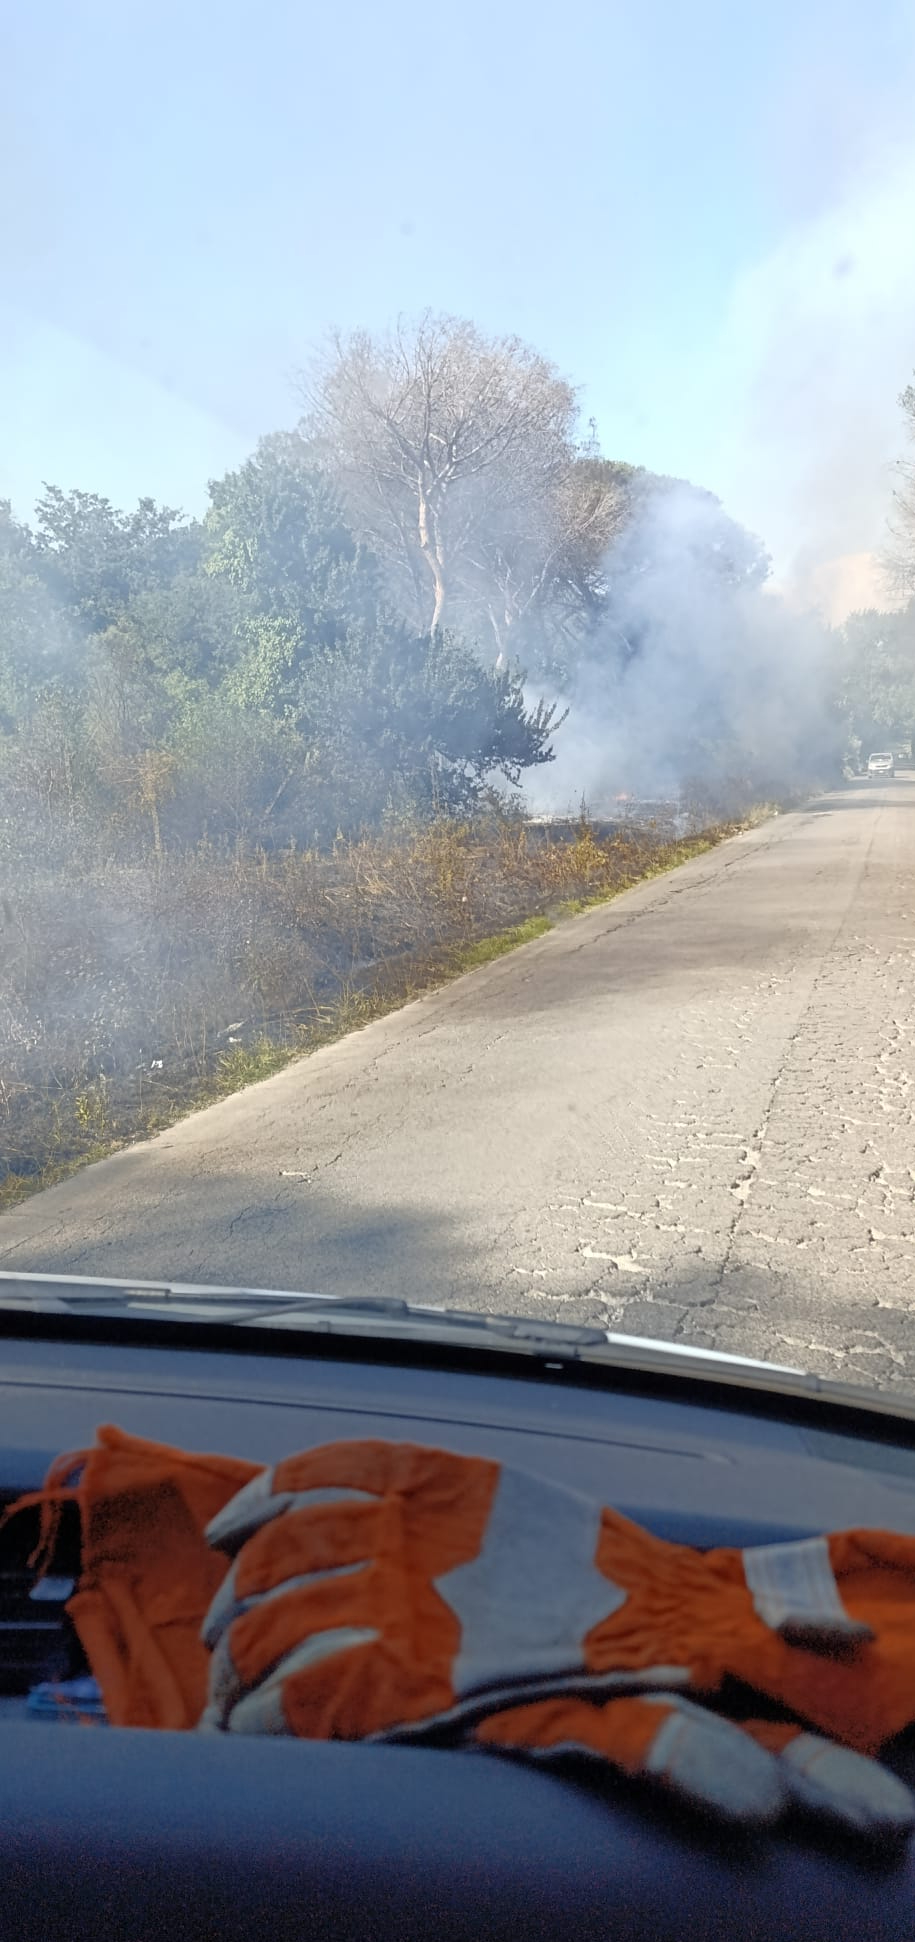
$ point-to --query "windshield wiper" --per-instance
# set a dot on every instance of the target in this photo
(60, 1294)
(388, 1318)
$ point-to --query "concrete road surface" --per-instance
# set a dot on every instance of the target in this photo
(688, 1114)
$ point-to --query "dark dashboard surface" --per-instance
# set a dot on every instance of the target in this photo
(140, 1835)
(700, 1473)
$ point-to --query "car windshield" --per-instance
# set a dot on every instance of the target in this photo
(457, 556)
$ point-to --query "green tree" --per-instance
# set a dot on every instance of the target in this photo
(875, 677)
(36, 642)
(94, 560)
(276, 532)
(384, 712)
(276, 537)
(402, 719)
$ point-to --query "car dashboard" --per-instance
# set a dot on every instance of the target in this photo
(141, 1834)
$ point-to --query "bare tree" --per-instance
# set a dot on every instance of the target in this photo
(456, 456)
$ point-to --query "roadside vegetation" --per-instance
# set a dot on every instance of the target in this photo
(264, 774)
(211, 972)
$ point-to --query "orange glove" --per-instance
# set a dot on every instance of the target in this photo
(390, 1591)
(748, 1773)
(147, 1573)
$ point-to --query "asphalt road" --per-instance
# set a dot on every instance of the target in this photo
(688, 1114)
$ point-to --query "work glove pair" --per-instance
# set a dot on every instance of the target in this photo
(384, 1592)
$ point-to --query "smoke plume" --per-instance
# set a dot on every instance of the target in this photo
(703, 675)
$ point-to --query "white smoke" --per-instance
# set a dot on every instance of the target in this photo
(817, 344)
(724, 681)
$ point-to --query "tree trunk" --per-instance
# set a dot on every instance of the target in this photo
(430, 545)
(497, 635)
(439, 607)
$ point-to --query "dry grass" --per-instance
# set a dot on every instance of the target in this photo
(146, 990)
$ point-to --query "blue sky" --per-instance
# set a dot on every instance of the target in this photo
(703, 213)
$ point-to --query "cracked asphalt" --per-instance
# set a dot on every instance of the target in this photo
(686, 1114)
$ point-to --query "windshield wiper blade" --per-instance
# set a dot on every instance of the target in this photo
(277, 1307)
